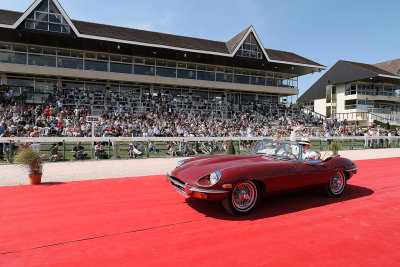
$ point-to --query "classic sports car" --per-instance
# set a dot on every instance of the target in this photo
(239, 181)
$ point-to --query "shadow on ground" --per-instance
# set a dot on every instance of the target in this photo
(280, 204)
(51, 183)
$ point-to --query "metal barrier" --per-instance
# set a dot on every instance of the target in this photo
(177, 146)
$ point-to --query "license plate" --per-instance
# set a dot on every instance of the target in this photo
(180, 191)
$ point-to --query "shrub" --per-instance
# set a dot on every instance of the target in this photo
(335, 147)
(30, 160)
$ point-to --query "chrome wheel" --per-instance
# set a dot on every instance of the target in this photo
(244, 196)
(337, 183)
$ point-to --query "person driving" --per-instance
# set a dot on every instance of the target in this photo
(307, 152)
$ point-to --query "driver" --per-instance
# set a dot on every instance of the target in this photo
(307, 152)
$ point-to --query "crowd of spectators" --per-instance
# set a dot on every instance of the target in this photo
(161, 116)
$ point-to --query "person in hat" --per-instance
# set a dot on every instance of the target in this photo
(307, 152)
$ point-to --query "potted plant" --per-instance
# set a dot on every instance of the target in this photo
(31, 161)
(335, 147)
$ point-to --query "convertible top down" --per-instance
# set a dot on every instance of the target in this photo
(239, 181)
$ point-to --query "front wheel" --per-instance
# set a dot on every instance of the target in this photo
(242, 199)
(336, 185)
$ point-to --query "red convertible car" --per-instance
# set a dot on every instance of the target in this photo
(239, 181)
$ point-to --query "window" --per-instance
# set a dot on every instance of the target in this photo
(47, 17)
(41, 60)
(350, 104)
(186, 74)
(242, 79)
(257, 80)
(250, 48)
(224, 77)
(205, 75)
(398, 71)
(120, 68)
(13, 58)
(143, 70)
(95, 65)
(70, 63)
(351, 89)
(166, 72)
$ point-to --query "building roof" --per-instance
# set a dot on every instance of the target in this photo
(148, 38)
(392, 66)
(371, 68)
(8, 17)
(343, 72)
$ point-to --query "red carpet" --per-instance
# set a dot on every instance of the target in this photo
(144, 222)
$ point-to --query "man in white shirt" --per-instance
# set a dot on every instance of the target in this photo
(307, 152)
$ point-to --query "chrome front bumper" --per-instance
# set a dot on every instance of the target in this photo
(190, 189)
(352, 170)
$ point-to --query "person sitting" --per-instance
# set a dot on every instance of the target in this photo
(99, 151)
(54, 155)
(307, 152)
(79, 151)
(133, 152)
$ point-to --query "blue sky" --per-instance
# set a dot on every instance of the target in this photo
(322, 30)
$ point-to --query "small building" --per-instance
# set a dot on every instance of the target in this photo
(355, 91)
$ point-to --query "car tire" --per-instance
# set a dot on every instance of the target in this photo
(336, 185)
(242, 199)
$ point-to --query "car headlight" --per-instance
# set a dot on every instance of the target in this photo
(214, 177)
(210, 179)
(180, 163)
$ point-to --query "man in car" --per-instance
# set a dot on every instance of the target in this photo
(307, 152)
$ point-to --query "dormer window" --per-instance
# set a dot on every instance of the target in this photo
(47, 17)
(250, 48)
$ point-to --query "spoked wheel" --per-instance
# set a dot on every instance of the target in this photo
(242, 199)
(336, 185)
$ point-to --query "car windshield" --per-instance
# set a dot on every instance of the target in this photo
(280, 149)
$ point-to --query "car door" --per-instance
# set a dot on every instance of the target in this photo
(282, 176)
(311, 172)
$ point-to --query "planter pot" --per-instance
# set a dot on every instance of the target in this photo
(35, 179)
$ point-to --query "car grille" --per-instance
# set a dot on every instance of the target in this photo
(178, 186)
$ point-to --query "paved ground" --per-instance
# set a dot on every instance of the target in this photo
(102, 169)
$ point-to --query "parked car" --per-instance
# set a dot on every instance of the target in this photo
(239, 181)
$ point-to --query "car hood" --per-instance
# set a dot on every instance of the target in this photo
(198, 167)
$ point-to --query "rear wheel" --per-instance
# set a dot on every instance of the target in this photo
(242, 199)
(336, 185)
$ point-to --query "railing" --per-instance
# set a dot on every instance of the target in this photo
(177, 146)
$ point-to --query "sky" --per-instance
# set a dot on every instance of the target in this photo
(324, 31)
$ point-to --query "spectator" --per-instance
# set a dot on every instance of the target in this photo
(133, 152)
(99, 151)
(54, 155)
(79, 151)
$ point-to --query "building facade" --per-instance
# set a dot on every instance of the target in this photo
(357, 92)
(42, 48)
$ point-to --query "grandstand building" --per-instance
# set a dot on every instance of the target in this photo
(42, 49)
(357, 92)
